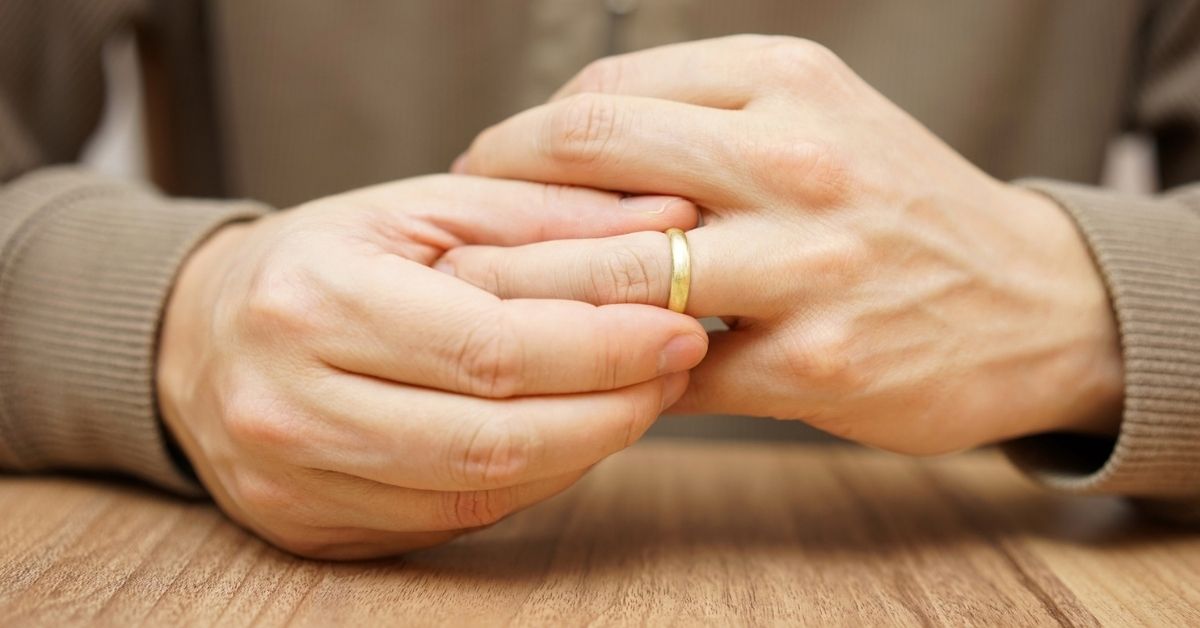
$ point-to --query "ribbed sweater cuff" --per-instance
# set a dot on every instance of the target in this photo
(86, 266)
(1148, 252)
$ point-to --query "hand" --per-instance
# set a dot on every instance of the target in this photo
(343, 399)
(880, 286)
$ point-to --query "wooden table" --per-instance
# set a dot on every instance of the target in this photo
(672, 531)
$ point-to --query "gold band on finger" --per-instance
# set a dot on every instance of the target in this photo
(681, 270)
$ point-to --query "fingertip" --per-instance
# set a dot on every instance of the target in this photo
(683, 214)
(459, 166)
(636, 216)
(653, 205)
(682, 352)
(444, 265)
(663, 212)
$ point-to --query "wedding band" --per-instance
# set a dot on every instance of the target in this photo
(681, 270)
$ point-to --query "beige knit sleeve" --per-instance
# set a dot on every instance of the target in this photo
(86, 263)
(1148, 252)
(86, 266)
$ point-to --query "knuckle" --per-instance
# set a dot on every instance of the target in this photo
(255, 421)
(842, 260)
(489, 360)
(821, 360)
(582, 128)
(557, 195)
(279, 301)
(609, 361)
(473, 509)
(602, 76)
(623, 275)
(495, 454)
(816, 172)
(266, 493)
(800, 60)
(620, 276)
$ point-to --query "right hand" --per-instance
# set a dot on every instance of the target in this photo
(343, 399)
(880, 287)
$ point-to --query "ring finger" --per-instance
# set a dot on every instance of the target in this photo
(633, 268)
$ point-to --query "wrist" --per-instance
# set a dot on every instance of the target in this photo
(1085, 378)
(183, 340)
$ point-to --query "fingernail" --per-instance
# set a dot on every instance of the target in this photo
(460, 164)
(673, 388)
(444, 266)
(680, 353)
(648, 204)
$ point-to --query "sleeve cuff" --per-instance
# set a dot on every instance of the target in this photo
(1148, 252)
(86, 267)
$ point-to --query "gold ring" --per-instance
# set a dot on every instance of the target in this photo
(681, 270)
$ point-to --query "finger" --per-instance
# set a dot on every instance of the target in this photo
(456, 210)
(418, 326)
(634, 268)
(747, 372)
(735, 72)
(325, 499)
(711, 73)
(430, 440)
(640, 145)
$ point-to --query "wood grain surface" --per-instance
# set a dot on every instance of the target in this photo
(670, 532)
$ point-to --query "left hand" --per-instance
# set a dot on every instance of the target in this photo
(880, 286)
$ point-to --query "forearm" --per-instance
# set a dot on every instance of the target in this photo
(86, 265)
